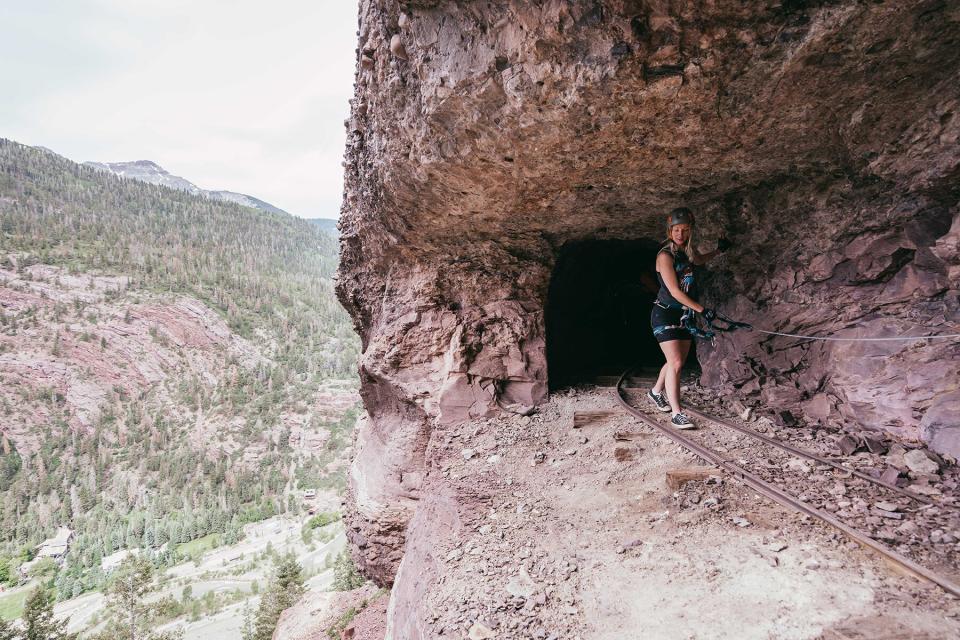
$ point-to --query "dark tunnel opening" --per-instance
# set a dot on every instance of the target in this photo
(598, 311)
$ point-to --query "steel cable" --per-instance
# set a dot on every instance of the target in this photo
(952, 336)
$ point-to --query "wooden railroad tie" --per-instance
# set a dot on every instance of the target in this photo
(676, 478)
(586, 418)
(631, 383)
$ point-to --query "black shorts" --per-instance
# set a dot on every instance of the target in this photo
(666, 325)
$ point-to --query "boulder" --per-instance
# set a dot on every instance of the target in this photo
(941, 425)
(919, 463)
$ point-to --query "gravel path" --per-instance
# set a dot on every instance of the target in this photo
(572, 533)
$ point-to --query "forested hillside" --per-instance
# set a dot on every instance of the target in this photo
(256, 267)
(170, 366)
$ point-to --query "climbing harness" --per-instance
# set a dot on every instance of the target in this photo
(682, 324)
(689, 322)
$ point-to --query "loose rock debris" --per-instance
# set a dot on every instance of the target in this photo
(575, 540)
(850, 498)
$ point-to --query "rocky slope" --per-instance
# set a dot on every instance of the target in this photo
(320, 615)
(103, 350)
(486, 139)
(112, 344)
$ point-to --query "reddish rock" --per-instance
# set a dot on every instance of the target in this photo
(874, 445)
(941, 424)
(371, 622)
(818, 408)
(848, 445)
(890, 475)
(821, 140)
(785, 419)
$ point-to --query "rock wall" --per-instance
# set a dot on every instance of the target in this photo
(821, 137)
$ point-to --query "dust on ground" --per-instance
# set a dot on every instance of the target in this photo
(573, 534)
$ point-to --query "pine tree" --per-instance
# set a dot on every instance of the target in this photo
(247, 630)
(289, 578)
(285, 589)
(38, 618)
(134, 581)
(7, 632)
(5, 573)
(345, 575)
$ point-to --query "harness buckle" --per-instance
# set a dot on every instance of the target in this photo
(689, 322)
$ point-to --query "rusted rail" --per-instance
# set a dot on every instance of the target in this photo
(810, 455)
(778, 495)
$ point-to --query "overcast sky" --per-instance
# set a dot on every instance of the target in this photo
(244, 95)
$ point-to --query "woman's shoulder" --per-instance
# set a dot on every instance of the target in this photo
(665, 256)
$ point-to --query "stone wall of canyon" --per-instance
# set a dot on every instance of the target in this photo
(821, 138)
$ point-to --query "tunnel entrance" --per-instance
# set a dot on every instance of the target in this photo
(598, 311)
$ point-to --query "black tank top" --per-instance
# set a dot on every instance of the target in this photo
(684, 270)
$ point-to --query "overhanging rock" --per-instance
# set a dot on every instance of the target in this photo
(822, 138)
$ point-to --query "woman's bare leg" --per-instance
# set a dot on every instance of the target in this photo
(676, 352)
(661, 380)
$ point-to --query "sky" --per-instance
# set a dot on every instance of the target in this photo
(241, 95)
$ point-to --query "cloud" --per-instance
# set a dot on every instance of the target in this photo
(247, 96)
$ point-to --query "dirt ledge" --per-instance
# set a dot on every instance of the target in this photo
(530, 532)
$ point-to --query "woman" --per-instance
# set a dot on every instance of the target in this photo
(675, 262)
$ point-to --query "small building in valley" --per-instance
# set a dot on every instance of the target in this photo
(57, 546)
(110, 563)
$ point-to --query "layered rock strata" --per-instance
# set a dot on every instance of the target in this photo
(822, 138)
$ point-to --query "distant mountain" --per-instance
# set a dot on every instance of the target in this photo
(147, 171)
(51, 151)
(326, 224)
(151, 172)
(245, 200)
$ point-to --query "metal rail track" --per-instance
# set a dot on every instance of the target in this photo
(781, 497)
(810, 456)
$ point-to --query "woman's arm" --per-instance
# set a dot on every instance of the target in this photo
(665, 267)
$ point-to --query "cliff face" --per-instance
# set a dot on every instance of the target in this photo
(76, 346)
(487, 138)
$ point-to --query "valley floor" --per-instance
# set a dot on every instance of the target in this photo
(231, 571)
